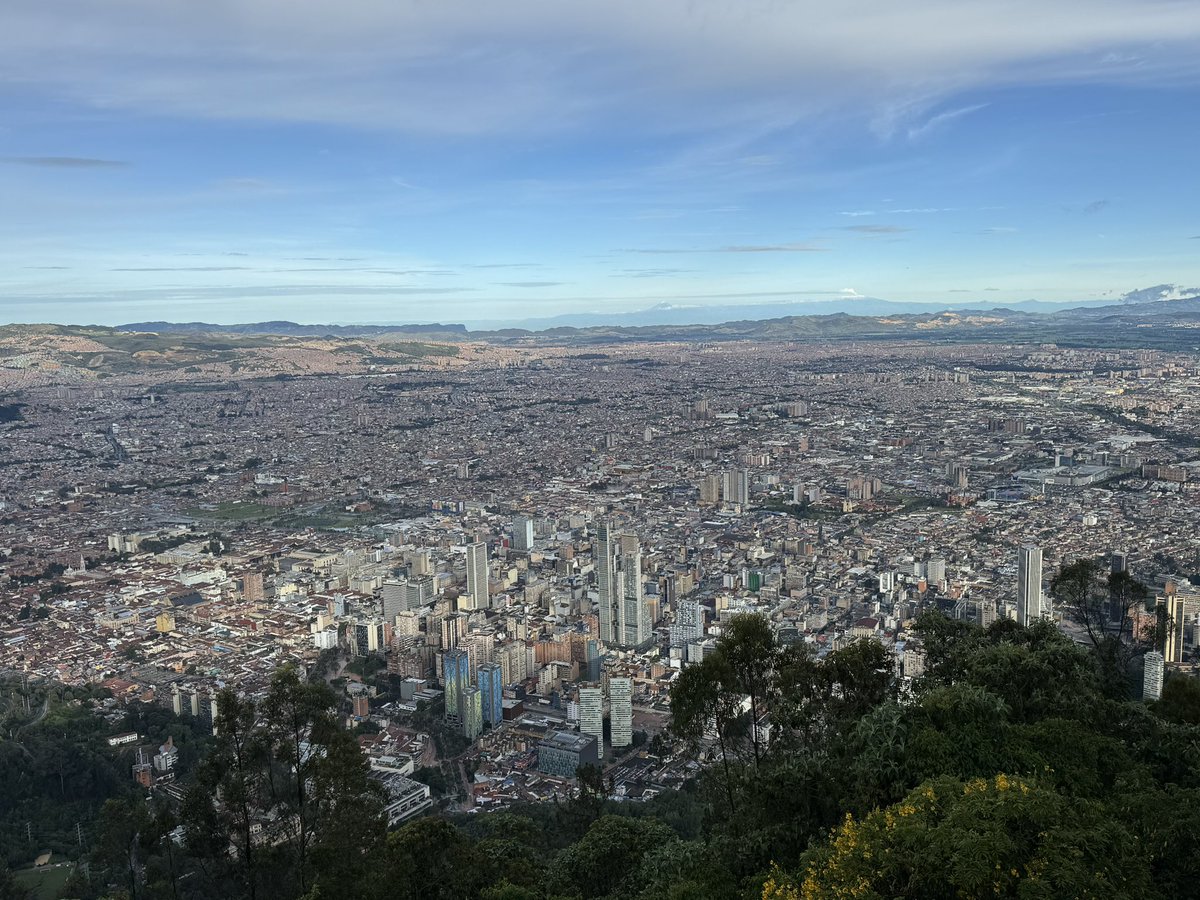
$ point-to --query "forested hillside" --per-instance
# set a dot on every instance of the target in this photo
(1016, 767)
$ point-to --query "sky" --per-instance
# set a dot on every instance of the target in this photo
(386, 161)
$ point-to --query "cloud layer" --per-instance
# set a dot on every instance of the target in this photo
(463, 67)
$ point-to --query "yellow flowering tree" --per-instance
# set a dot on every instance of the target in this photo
(997, 837)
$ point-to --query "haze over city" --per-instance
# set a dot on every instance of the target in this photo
(490, 163)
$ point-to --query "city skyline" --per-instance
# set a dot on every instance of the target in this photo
(407, 163)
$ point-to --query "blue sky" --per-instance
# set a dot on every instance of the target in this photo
(396, 161)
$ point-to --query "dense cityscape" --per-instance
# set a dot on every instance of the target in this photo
(698, 450)
(504, 564)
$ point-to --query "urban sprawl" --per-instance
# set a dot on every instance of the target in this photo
(504, 557)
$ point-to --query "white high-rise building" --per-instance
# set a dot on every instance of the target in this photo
(735, 487)
(689, 623)
(620, 703)
(635, 614)
(477, 576)
(1152, 677)
(1177, 620)
(591, 713)
(1029, 584)
(624, 613)
(522, 533)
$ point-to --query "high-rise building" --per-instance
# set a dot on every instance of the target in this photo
(456, 676)
(1120, 562)
(735, 487)
(624, 613)
(1177, 623)
(591, 713)
(620, 706)
(368, 638)
(634, 613)
(394, 593)
(935, 570)
(710, 489)
(689, 623)
(491, 689)
(472, 712)
(477, 575)
(522, 533)
(603, 555)
(1029, 584)
(1152, 676)
(419, 591)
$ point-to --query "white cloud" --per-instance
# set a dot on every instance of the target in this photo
(480, 67)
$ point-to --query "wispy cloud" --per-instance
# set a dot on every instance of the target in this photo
(453, 68)
(933, 123)
(64, 162)
(773, 248)
(181, 269)
(530, 284)
(1094, 207)
(876, 229)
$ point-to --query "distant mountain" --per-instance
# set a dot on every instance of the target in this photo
(681, 314)
(291, 329)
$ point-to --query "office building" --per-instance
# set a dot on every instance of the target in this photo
(368, 638)
(477, 576)
(1177, 623)
(603, 554)
(591, 712)
(1029, 584)
(634, 611)
(1152, 676)
(522, 533)
(562, 753)
(620, 710)
(394, 594)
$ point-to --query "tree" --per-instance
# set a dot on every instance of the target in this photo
(10, 888)
(605, 861)
(1106, 605)
(751, 655)
(998, 837)
(703, 704)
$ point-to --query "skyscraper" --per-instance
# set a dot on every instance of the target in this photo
(1176, 621)
(1152, 676)
(477, 575)
(735, 487)
(591, 713)
(472, 712)
(605, 578)
(491, 687)
(635, 617)
(522, 533)
(620, 702)
(1029, 584)
(456, 675)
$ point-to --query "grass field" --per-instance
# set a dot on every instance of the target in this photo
(235, 512)
(46, 883)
